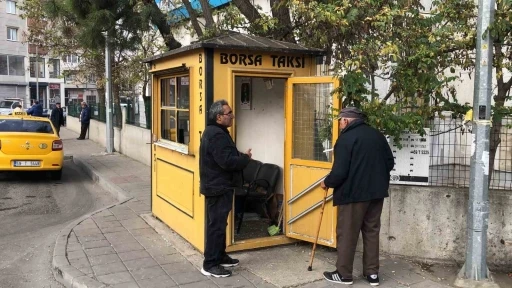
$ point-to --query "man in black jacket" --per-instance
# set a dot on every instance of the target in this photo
(360, 178)
(220, 166)
(57, 118)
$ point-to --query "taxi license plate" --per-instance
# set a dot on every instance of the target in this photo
(27, 163)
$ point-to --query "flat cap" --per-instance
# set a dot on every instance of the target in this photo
(351, 112)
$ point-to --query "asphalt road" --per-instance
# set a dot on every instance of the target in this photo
(33, 209)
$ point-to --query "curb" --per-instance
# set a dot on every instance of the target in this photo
(63, 271)
(113, 189)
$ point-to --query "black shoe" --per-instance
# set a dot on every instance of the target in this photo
(335, 277)
(229, 262)
(80, 138)
(373, 279)
(216, 271)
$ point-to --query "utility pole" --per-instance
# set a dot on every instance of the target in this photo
(475, 268)
(108, 96)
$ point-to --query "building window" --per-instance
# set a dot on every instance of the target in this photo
(74, 59)
(69, 76)
(12, 34)
(175, 109)
(12, 65)
(33, 66)
(10, 7)
(54, 68)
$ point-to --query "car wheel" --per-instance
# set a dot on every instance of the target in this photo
(56, 175)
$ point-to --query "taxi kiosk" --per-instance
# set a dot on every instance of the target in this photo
(282, 111)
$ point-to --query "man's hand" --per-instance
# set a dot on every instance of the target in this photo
(323, 186)
(248, 152)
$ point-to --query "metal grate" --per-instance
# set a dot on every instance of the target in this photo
(451, 154)
(312, 121)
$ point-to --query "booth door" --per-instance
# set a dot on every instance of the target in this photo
(310, 134)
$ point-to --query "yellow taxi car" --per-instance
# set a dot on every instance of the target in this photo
(29, 143)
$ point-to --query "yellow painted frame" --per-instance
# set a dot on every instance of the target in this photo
(289, 160)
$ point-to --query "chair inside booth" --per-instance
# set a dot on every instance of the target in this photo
(256, 204)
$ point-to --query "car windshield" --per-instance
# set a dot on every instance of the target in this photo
(5, 104)
(28, 126)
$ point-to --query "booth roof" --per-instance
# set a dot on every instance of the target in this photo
(239, 41)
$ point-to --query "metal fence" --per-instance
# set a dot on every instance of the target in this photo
(97, 113)
(136, 114)
(450, 154)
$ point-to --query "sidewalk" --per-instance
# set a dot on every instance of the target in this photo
(124, 246)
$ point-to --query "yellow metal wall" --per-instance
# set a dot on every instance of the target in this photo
(175, 191)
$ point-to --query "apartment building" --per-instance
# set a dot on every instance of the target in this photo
(13, 53)
(31, 72)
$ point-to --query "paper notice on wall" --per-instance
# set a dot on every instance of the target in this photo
(485, 160)
(473, 144)
(412, 162)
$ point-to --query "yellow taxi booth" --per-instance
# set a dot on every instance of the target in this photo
(282, 111)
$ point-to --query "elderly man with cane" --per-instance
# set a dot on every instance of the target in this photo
(360, 179)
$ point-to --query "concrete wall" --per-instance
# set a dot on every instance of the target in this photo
(429, 223)
(130, 141)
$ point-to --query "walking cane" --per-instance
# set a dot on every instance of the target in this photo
(310, 267)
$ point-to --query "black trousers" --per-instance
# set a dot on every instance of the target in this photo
(83, 131)
(217, 209)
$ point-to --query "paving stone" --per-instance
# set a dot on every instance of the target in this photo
(126, 239)
(74, 247)
(178, 267)
(104, 219)
(94, 237)
(126, 256)
(427, 284)
(87, 232)
(233, 281)
(140, 263)
(104, 259)
(96, 244)
(255, 280)
(86, 270)
(113, 229)
(147, 273)
(119, 235)
(80, 262)
(109, 268)
(161, 251)
(136, 223)
(99, 251)
(406, 277)
(202, 284)
(158, 282)
(190, 277)
(103, 225)
(166, 259)
(128, 216)
(104, 213)
(125, 285)
(125, 247)
(76, 254)
(116, 278)
(144, 231)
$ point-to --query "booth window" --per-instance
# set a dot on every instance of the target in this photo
(312, 121)
(175, 109)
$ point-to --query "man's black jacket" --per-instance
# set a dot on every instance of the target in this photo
(362, 163)
(220, 163)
